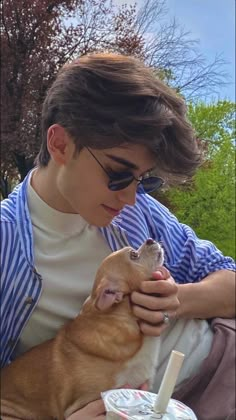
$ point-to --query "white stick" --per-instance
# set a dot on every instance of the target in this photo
(168, 381)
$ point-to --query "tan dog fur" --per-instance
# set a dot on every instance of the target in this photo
(101, 349)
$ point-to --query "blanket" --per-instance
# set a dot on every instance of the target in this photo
(211, 392)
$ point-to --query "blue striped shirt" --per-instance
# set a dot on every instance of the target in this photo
(188, 258)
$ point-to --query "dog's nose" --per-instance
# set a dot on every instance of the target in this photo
(150, 241)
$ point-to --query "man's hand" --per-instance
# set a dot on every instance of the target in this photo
(157, 301)
(93, 411)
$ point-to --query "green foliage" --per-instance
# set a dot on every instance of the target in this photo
(208, 203)
(212, 122)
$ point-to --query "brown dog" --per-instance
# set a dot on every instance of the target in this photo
(101, 349)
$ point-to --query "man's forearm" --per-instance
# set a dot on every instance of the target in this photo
(212, 297)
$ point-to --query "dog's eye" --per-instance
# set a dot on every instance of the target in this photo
(134, 255)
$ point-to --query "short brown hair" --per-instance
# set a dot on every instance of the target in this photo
(106, 100)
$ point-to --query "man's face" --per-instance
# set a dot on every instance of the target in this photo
(83, 184)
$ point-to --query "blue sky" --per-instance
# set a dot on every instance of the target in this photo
(212, 23)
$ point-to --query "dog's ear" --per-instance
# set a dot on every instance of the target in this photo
(108, 294)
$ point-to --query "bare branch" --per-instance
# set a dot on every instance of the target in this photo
(170, 48)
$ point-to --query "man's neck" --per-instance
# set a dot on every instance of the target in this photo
(44, 183)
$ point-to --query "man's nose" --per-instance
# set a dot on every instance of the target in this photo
(128, 194)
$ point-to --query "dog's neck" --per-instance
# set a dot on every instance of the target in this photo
(105, 334)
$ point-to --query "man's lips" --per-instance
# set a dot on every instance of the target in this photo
(111, 211)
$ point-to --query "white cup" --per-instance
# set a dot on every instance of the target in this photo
(133, 404)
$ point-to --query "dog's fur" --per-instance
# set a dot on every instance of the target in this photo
(101, 349)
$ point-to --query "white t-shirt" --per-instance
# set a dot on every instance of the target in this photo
(61, 244)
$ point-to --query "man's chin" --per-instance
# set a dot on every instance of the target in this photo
(98, 222)
(102, 223)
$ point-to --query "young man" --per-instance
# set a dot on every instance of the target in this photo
(111, 131)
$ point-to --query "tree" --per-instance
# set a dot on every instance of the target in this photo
(38, 37)
(170, 48)
(208, 203)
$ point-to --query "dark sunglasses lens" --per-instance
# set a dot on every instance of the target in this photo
(121, 181)
(150, 184)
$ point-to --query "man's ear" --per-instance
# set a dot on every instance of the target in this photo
(107, 294)
(59, 144)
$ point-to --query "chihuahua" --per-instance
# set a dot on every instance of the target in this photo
(101, 349)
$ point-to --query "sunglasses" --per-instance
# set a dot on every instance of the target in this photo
(120, 180)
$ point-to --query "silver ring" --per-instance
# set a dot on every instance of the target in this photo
(166, 318)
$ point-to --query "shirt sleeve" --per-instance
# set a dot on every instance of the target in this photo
(187, 257)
